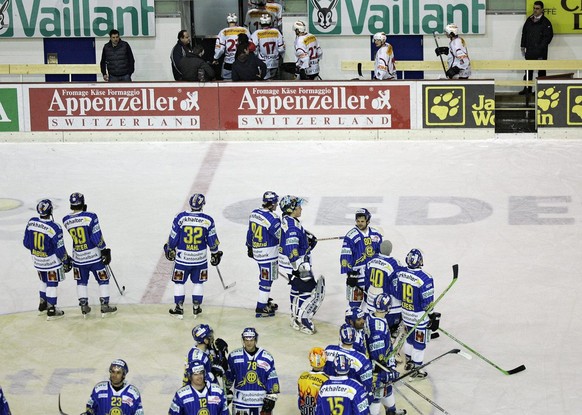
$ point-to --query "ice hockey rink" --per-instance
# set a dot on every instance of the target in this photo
(507, 211)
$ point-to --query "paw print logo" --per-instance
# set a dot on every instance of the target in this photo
(577, 108)
(548, 98)
(445, 105)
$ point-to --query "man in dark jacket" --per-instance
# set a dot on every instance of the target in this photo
(117, 61)
(194, 68)
(247, 66)
(180, 49)
(536, 35)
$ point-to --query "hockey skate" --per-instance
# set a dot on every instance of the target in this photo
(196, 309)
(85, 309)
(177, 312)
(307, 327)
(409, 365)
(264, 312)
(107, 309)
(273, 305)
(418, 375)
(54, 313)
(294, 323)
(397, 412)
(42, 305)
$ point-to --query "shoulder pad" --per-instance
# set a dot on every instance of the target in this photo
(352, 233)
(133, 390)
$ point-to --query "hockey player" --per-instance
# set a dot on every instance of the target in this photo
(202, 335)
(342, 391)
(360, 245)
(356, 318)
(269, 46)
(417, 290)
(257, 10)
(115, 396)
(384, 67)
(192, 233)
(294, 259)
(90, 253)
(361, 367)
(307, 51)
(380, 346)
(226, 43)
(457, 55)
(277, 9)
(252, 373)
(310, 382)
(382, 278)
(199, 396)
(263, 236)
(43, 237)
(4, 407)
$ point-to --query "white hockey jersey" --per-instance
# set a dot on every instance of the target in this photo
(270, 45)
(227, 41)
(384, 66)
(459, 56)
(308, 53)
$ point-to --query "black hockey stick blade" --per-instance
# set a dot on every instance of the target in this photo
(121, 290)
(61, 409)
(360, 69)
(455, 271)
(518, 369)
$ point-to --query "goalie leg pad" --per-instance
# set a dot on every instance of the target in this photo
(312, 304)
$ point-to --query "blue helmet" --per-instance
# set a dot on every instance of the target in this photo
(382, 302)
(341, 364)
(347, 334)
(45, 207)
(250, 333)
(289, 203)
(194, 367)
(414, 259)
(365, 213)
(120, 363)
(270, 198)
(353, 314)
(77, 200)
(201, 332)
(197, 201)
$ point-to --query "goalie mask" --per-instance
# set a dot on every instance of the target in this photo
(197, 202)
(414, 259)
(44, 207)
(317, 358)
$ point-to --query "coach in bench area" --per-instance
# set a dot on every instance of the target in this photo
(117, 61)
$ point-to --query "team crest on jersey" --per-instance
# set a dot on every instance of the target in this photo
(116, 411)
(203, 411)
(251, 377)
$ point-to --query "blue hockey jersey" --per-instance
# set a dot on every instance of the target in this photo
(191, 234)
(105, 400)
(44, 239)
(263, 235)
(358, 248)
(189, 401)
(416, 289)
(342, 395)
(87, 238)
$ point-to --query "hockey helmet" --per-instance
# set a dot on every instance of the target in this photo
(289, 203)
(347, 334)
(77, 200)
(120, 363)
(201, 332)
(265, 19)
(317, 358)
(386, 247)
(451, 28)
(381, 36)
(365, 213)
(197, 201)
(250, 333)
(270, 197)
(300, 27)
(195, 367)
(414, 259)
(382, 302)
(44, 207)
(341, 364)
(353, 314)
(232, 18)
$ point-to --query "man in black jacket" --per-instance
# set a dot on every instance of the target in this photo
(194, 68)
(179, 51)
(247, 66)
(536, 35)
(117, 61)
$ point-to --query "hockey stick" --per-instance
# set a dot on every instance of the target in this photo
(426, 398)
(440, 56)
(430, 307)
(513, 371)
(121, 290)
(61, 409)
(331, 238)
(408, 400)
(360, 69)
(226, 287)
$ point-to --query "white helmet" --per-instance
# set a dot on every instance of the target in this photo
(452, 28)
(300, 26)
(380, 36)
(232, 18)
(265, 19)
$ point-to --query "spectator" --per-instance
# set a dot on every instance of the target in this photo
(193, 68)
(117, 61)
(179, 51)
(536, 35)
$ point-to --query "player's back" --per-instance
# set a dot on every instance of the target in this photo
(342, 392)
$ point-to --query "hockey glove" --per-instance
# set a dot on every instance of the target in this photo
(352, 280)
(67, 264)
(451, 72)
(435, 319)
(215, 258)
(170, 253)
(106, 256)
(229, 396)
(217, 371)
(269, 403)
(294, 274)
(443, 50)
(388, 377)
(302, 74)
(250, 252)
(221, 345)
(311, 240)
